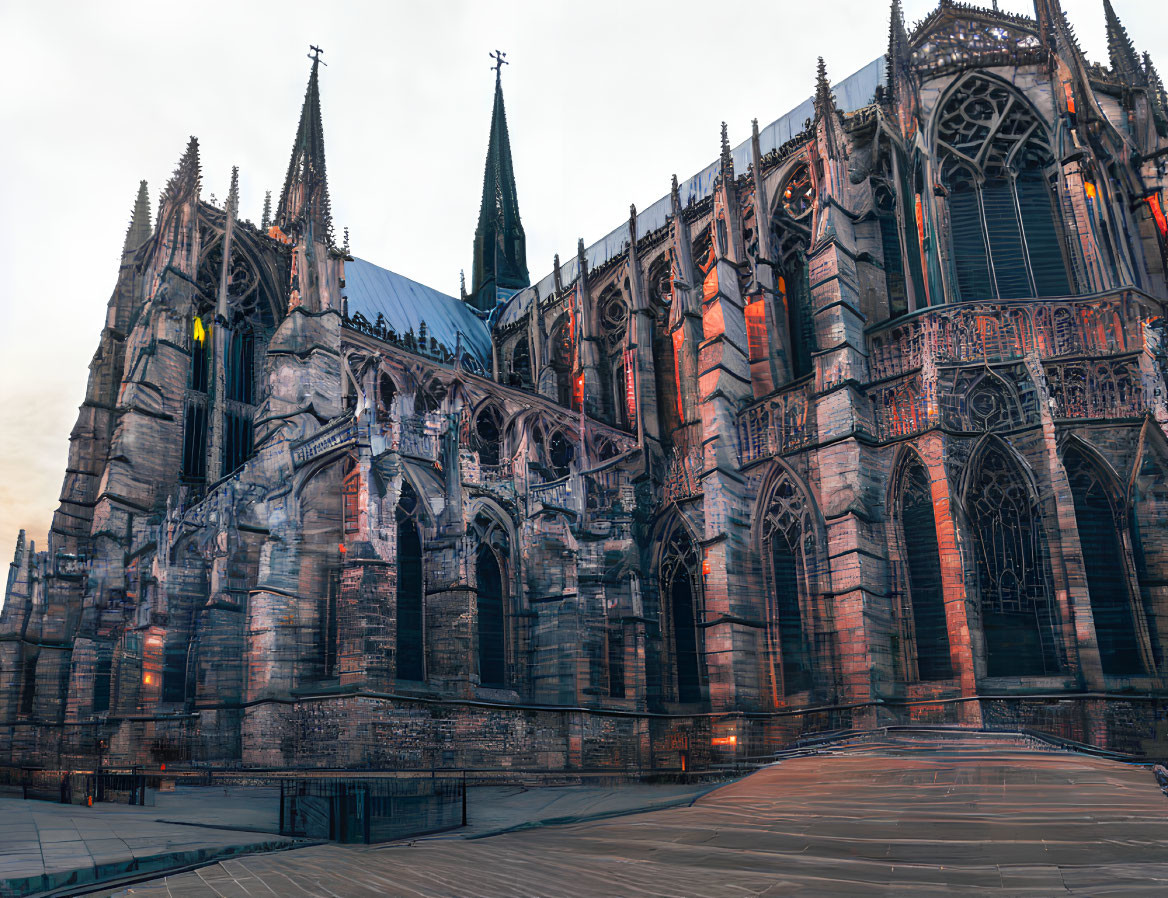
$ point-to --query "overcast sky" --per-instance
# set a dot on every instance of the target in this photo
(604, 101)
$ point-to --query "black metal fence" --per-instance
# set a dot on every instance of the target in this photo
(370, 810)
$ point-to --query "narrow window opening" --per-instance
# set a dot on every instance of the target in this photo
(927, 598)
(1099, 529)
(491, 620)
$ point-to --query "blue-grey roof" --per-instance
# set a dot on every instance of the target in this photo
(406, 304)
(854, 92)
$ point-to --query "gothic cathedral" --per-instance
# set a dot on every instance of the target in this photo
(864, 424)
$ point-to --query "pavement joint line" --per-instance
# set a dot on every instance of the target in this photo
(152, 875)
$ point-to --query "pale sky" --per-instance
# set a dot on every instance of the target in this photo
(604, 101)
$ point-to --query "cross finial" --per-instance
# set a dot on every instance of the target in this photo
(500, 60)
(315, 54)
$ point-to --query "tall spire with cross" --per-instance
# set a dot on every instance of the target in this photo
(500, 246)
(304, 202)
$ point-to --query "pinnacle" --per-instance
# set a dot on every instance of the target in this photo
(823, 96)
(1124, 60)
(139, 229)
(727, 158)
(305, 197)
(232, 206)
(185, 181)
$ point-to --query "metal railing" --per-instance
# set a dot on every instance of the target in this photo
(370, 810)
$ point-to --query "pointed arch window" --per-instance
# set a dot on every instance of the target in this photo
(521, 362)
(386, 391)
(681, 596)
(488, 435)
(1012, 575)
(411, 648)
(561, 355)
(491, 619)
(923, 560)
(497, 633)
(200, 356)
(788, 541)
(999, 173)
(1100, 525)
(894, 280)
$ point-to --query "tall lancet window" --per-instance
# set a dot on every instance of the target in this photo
(927, 599)
(1101, 524)
(239, 371)
(411, 649)
(492, 619)
(194, 457)
(681, 598)
(999, 174)
(1012, 576)
(788, 542)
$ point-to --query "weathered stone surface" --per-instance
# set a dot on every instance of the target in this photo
(797, 458)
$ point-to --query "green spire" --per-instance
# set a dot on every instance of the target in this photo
(1124, 61)
(305, 201)
(500, 247)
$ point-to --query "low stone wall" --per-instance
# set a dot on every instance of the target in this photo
(395, 733)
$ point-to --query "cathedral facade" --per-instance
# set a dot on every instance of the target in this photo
(864, 424)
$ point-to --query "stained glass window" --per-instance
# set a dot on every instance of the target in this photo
(491, 619)
(997, 168)
(927, 598)
(1016, 614)
(788, 538)
(410, 662)
(1100, 529)
(681, 595)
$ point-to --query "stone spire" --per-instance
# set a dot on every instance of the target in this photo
(1156, 95)
(824, 100)
(1125, 62)
(500, 247)
(266, 218)
(229, 213)
(139, 230)
(898, 50)
(304, 202)
(185, 182)
(727, 159)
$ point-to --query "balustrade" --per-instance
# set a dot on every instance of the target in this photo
(1106, 324)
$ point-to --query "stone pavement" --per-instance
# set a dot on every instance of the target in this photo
(876, 819)
(47, 846)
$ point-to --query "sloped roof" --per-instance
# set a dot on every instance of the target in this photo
(405, 304)
(854, 92)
